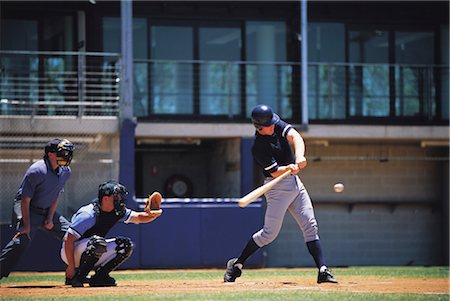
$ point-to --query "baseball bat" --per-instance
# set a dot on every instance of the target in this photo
(253, 195)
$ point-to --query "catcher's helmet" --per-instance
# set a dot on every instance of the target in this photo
(263, 115)
(63, 149)
(115, 189)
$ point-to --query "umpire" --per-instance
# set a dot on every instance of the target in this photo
(36, 202)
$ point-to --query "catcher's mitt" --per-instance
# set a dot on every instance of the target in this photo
(153, 204)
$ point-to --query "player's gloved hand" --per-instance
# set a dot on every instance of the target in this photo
(153, 205)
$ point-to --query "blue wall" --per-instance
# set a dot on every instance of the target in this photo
(197, 233)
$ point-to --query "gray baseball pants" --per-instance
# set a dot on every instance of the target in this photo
(289, 194)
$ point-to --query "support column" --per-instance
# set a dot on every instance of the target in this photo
(304, 65)
(127, 122)
(246, 165)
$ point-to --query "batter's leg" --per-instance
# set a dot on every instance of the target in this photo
(277, 204)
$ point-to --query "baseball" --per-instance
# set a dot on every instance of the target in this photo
(338, 187)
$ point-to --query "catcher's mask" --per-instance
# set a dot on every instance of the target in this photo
(118, 191)
(63, 149)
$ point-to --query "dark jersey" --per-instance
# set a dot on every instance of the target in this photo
(89, 220)
(273, 151)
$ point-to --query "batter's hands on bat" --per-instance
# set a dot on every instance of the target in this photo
(301, 162)
(294, 169)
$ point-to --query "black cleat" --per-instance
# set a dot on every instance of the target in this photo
(326, 276)
(69, 281)
(232, 271)
(76, 282)
(102, 280)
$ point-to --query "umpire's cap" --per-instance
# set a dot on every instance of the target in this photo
(263, 115)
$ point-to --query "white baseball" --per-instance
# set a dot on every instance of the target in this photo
(338, 187)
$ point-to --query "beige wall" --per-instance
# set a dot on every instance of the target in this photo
(372, 229)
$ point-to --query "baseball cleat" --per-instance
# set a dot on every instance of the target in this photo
(70, 280)
(102, 280)
(326, 276)
(232, 271)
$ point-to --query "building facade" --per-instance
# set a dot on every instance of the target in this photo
(377, 112)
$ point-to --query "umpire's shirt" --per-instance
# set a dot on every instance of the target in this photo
(43, 184)
(273, 151)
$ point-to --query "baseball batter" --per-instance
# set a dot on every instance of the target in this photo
(85, 247)
(272, 151)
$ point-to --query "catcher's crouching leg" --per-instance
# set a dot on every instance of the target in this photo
(124, 248)
(95, 248)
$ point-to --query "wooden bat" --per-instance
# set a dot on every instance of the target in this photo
(253, 195)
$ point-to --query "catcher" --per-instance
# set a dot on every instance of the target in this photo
(85, 247)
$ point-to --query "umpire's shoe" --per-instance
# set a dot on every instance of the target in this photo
(102, 280)
(232, 271)
(326, 276)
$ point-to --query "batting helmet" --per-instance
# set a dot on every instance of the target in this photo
(115, 189)
(63, 149)
(263, 115)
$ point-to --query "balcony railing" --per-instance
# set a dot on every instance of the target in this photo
(83, 84)
(59, 83)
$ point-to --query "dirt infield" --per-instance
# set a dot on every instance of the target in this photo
(125, 287)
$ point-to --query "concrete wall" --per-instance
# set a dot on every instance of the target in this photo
(367, 235)
(390, 213)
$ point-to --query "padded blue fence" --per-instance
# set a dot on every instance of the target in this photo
(190, 233)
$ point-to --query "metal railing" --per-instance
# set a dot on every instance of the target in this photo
(59, 83)
(83, 84)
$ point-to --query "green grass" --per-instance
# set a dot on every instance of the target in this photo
(250, 274)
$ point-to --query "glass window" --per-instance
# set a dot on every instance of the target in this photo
(326, 81)
(414, 87)
(326, 42)
(112, 43)
(268, 79)
(172, 81)
(444, 72)
(219, 78)
(19, 34)
(368, 46)
(369, 77)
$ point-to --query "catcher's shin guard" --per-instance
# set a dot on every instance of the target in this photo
(124, 249)
(96, 246)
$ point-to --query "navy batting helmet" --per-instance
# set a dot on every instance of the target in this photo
(263, 115)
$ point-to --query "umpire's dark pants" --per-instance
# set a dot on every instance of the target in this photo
(12, 252)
